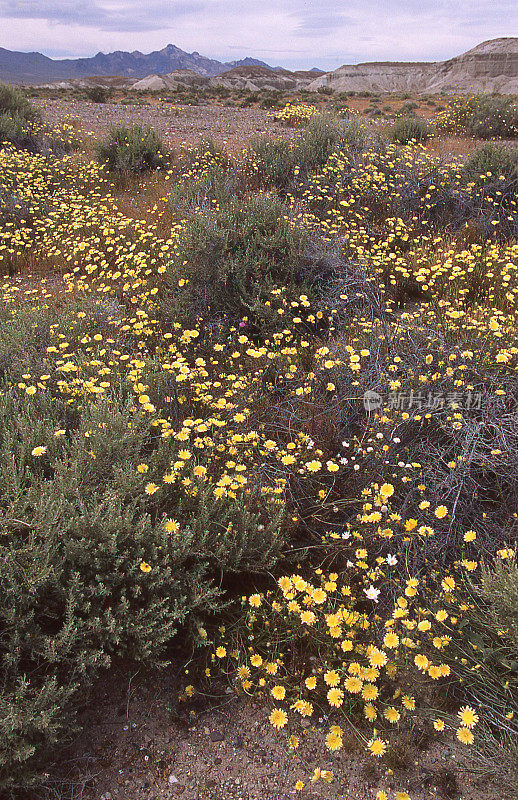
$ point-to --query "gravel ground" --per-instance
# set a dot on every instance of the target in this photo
(139, 742)
(177, 124)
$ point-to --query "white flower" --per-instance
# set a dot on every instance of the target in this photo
(372, 593)
(392, 560)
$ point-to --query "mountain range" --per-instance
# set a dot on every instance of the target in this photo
(17, 67)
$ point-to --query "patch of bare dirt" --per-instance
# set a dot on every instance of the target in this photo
(140, 742)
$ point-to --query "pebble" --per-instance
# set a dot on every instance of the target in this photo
(172, 779)
(216, 736)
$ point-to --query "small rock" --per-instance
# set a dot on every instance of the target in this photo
(172, 779)
(216, 736)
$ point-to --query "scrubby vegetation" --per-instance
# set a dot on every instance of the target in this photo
(492, 161)
(409, 129)
(278, 163)
(21, 125)
(131, 149)
(15, 104)
(97, 94)
(271, 417)
(485, 117)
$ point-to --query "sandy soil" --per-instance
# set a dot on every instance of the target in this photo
(141, 743)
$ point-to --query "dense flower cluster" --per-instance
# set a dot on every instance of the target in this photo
(487, 117)
(295, 115)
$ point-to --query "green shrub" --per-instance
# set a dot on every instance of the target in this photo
(499, 589)
(14, 103)
(97, 94)
(17, 118)
(269, 102)
(408, 108)
(493, 118)
(131, 149)
(483, 653)
(214, 185)
(277, 159)
(76, 527)
(494, 159)
(21, 126)
(409, 129)
(76, 524)
(232, 259)
(15, 130)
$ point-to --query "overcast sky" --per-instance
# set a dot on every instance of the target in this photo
(291, 33)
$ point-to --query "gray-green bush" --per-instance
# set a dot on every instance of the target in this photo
(409, 128)
(493, 118)
(17, 118)
(131, 149)
(277, 160)
(97, 94)
(15, 104)
(232, 258)
(76, 525)
(494, 159)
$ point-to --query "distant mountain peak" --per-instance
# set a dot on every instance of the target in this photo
(17, 67)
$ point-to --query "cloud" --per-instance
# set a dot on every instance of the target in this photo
(118, 15)
(294, 33)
